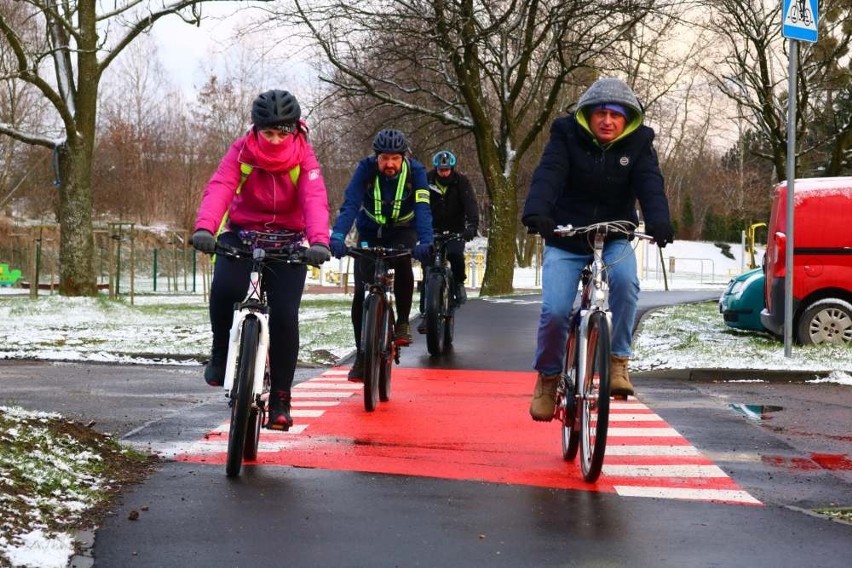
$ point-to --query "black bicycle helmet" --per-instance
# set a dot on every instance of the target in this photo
(275, 108)
(444, 159)
(389, 141)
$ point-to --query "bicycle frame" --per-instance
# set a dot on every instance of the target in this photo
(253, 305)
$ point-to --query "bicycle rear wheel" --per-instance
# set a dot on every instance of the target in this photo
(567, 401)
(375, 328)
(594, 407)
(241, 396)
(436, 306)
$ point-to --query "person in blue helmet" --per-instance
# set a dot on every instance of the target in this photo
(388, 200)
(454, 209)
(597, 163)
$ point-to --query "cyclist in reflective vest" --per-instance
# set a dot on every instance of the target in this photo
(388, 201)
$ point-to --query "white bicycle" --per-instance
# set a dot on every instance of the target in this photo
(247, 379)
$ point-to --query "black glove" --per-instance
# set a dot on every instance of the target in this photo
(203, 240)
(540, 224)
(663, 233)
(317, 254)
(468, 234)
(422, 252)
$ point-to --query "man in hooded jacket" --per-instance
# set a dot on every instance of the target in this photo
(598, 162)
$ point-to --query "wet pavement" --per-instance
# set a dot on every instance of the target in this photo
(784, 441)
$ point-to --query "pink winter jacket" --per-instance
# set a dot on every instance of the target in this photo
(266, 201)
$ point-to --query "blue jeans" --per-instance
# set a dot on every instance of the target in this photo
(560, 278)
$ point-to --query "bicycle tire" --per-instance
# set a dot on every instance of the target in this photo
(567, 402)
(388, 356)
(374, 324)
(436, 303)
(256, 419)
(450, 317)
(594, 420)
(241, 396)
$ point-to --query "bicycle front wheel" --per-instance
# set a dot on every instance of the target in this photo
(436, 305)
(594, 408)
(241, 396)
(375, 328)
(256, 419)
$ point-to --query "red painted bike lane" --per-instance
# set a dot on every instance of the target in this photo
(474, 425)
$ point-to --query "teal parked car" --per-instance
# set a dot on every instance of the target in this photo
(742, 301)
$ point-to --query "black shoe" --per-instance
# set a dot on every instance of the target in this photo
(356, 373)
(214, 372)
(421, 327)
(461, 294)
(279, 411)
(402, 333)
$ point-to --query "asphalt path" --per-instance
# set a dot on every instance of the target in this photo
(190, 514)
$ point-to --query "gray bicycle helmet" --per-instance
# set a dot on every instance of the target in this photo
(275, 108)
(389, 141)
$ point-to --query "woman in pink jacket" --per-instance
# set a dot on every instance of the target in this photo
(269, 181)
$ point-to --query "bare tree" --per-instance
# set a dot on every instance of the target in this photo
(752, 71)
(496, 70)
(78, 41)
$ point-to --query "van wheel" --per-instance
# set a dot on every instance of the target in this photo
(826, 321)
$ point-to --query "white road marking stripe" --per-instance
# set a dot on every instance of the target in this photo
(729, 495)
(642, 433)
(322, 394)
(613, 450)
(322, 403)
(634, 470)
(297, 413)
(325, 386)
(634, 418)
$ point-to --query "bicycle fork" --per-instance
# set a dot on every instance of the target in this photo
(240, 316)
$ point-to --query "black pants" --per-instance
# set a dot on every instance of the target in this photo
(403, 287)
(284, 284)
(455, 255)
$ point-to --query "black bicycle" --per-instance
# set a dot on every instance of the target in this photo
(583, 394)
(439, 301)
(247, 379)
(379, 347)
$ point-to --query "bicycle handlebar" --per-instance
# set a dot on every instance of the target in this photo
(288, 255)
(622, 227)
(377, 252)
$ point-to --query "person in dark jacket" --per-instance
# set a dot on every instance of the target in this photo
(598, 161)
(454, 209)
(388, 200)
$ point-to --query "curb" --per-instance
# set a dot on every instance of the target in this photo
(729, 375)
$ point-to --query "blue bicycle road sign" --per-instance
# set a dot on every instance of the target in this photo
(799, 19)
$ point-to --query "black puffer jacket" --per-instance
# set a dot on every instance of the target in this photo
(580, 182)
(453, 203)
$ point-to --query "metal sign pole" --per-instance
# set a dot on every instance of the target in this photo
(791, 177)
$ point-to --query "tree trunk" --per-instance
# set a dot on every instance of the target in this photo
(76, 245)
(500, 262)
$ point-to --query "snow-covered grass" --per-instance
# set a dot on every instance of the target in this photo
(57, 478)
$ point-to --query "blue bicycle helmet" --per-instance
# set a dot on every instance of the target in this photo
(389, 141)
(444, 159)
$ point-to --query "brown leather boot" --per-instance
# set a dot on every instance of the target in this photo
(619, 381)
(543, 404)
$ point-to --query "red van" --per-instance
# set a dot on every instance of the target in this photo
(822, 261)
